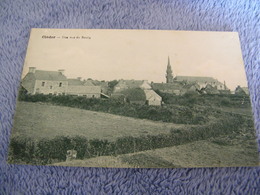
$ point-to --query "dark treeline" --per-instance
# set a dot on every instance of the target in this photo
(167, 113)
(46, 151)
(190, 99)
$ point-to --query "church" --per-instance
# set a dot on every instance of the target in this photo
(180, 85)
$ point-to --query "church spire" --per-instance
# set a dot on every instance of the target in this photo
(225, 87)
(169, 75)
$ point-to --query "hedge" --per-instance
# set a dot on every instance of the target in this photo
(26, 150)
(167, 113)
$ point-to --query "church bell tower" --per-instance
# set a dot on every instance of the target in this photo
(169, 75)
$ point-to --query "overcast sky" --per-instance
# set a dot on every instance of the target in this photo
(137, 54)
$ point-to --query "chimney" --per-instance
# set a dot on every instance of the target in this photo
(61, 71)
(32, 69)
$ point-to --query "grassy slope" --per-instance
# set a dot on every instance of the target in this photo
(196, 154)
(107, 126)
(40, 120)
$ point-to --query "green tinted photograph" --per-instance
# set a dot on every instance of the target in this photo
(133, 99)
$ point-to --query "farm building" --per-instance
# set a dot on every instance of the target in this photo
(152, 98)
(45, 82)
(176, 88)
(173, 88)
(83, 88)
(138, 96)
(136, 91)
(102, 84)
(56, 83)
(131, 84)
(201, 81)
(241, 90)
(209, 89)
(190, 88)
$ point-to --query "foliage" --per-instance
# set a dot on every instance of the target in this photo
(167, 113)
(228, 100)
(111, 85)
(46, 151)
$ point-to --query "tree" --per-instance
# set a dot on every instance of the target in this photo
(112, 84)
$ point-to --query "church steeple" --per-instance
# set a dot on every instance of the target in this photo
(169, 75)
(225, 87)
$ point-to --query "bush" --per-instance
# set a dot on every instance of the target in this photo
(225, 102)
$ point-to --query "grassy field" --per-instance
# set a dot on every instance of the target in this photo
(41, 120)
(234, 146)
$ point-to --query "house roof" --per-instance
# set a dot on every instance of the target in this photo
(189, 85)
(150, 94)
(245, 89)
(75, 82)
(81, 89)
(88, 83)
(196, 79)
(133, 94)
(209, 89)
(99, 83)
(48, 75)
(78, 82)
(131, 83)
(166, 86)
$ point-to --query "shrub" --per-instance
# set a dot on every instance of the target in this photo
(99, 147)
(21, 149)
(225, 102)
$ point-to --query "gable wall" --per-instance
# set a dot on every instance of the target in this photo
(87, 91)
(28, 83)
(50, 87)
(145, 85)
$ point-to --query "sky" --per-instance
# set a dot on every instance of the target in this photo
(137, 54)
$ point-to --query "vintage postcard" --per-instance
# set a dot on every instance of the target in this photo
(134, 99)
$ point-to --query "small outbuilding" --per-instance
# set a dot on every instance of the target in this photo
(152, 98)
(138, 96)
(241, 90)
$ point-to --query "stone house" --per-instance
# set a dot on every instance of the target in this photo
(56, 83)
(152, 98)
(102, 84)
(136, 91)
(202, 82)
(172, 88)
(130, 84)
(190, 88)
(209, 89)
(45, 82)
(83, 88)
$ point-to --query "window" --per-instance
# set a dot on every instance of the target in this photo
(60, 84)
(50, 87)
(43, 84)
